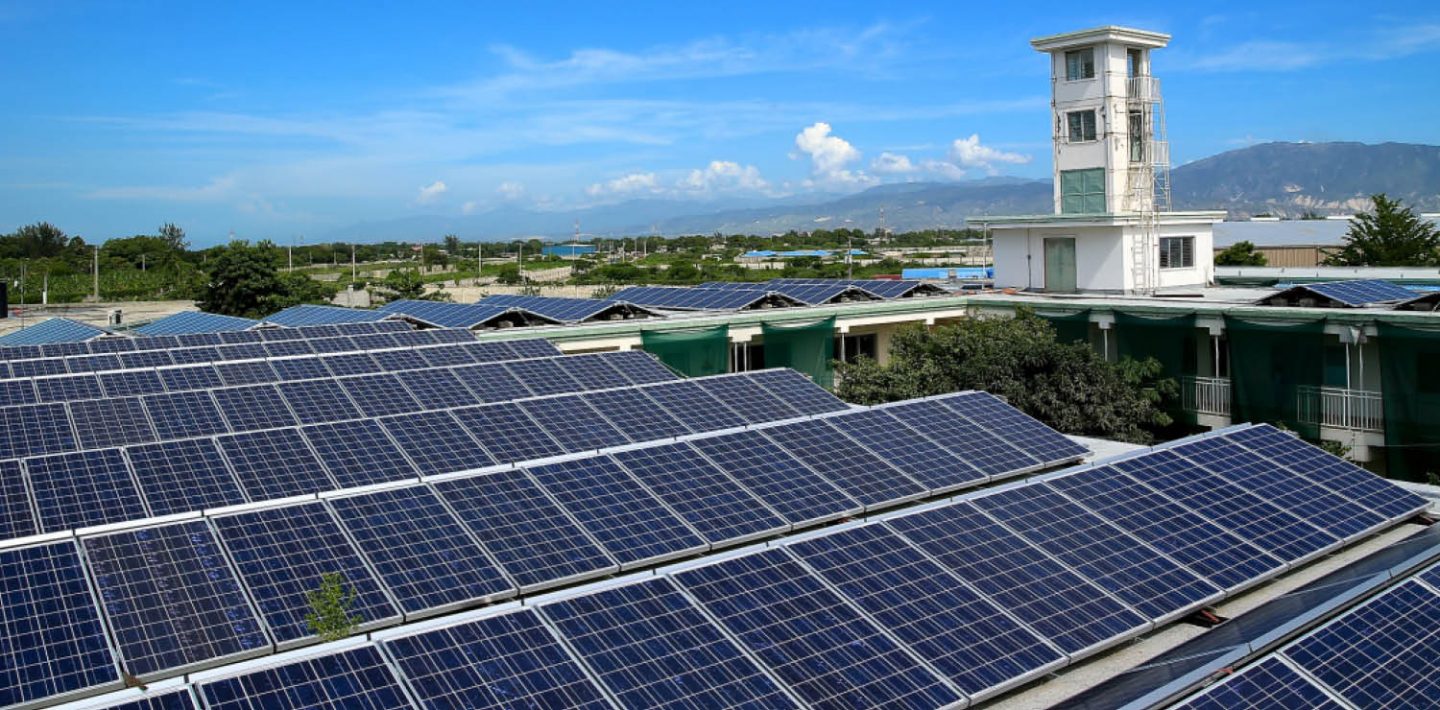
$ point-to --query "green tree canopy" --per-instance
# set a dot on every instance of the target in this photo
(1391, 235)
(1240, 254)
(246, 281)
(1068, 386)
(34, 241)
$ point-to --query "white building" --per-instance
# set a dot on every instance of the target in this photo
(1112, 229)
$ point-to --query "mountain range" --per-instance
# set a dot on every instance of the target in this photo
(1281, 179)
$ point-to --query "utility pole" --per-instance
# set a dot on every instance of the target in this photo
(97, 273)
(354, 276)
(850, 257)
(479, 261)
(290, 252)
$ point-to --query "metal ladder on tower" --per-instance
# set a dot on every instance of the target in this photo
(1148, 179)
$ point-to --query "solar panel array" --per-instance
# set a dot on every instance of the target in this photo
(456, 315)
(686, 298)
(883, 288)
(1360, 292)
(950, 603)
(310, 314)
(1383, 653)
(566, 310)
(53, 331)
(187, 322)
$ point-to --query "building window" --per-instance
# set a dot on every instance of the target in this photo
(1082, 126)
(1134, 63)
(1080, 64)
(1082, 191)
(1177, 252)
(1137, 137)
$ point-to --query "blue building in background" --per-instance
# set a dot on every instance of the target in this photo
(568, 251)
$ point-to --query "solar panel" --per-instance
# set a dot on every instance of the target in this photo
(630, 523)
(67, 389)
(533, 347)
(192, 355)
(253, 407)
(958, 632)
(111, 422)
(355, 678)
(1268, 527)
(307, 315)
(855, 470)
(52, 642)
(1379, 655)
(636, 415)
(640, 368)
(420, 550)
(649, 644)
(1337, 515)
(187, 322)
(491, 383)
(189, 340)
(573, 423)
(1269, 684)
(1016, 427)
(181, 414)
(436, 442)
(435, 336)
(241, 351)
(358, 453)
(16, 517)
(717, 507)
(39, 368)
(152, 699)
(150, 358)
(798, 391)
(448, 355)
(92, 363)
(125, 383)
(969, 442)
(437, 388)
(536, 542)
(788, 486)
(299, 368)
(379, 395)
(83, 488)
(1155, 585)
(398, 360)
(52, 330)
(543, 376)
(171, 598)
(14, 392)
(694, 407)
(333, 344)
(275, 464)
(564, 310)
(507, 433)
(1360, 292)
(906, 449)
(593, 372)
(350, 364)
(315, 401)
(35, 429)
(495, 663)
(282, 555)
(494, 351)
(1047, 596)
(288, 348)
(1168, 527)
(233, 337)
(183, 476)
(747, 398)
(193, 377)
(821, 647)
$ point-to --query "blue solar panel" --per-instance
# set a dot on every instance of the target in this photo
(1267, 685)
(968, 441)
(565, 310)
(906, 449)
(299, 368)
(448, 355)
(573, 423)
(333, 344)
(788, 486)
(694, 407)
(860, 473)
(39, 368)
(312, 315)
(35, 429)
(649, 644)
(181, 414)
(1361, 292)
(111, 422)
(52, 641)
(112, 345)
(92, 363)
(533, 347)
(193, 355)
(171, 598)
(190, 340)
(1155, 585)
(489, 351)
(747, 398)
(53, 330)
(686, 298)
(436, 442)
(720, 509)
(534, 541)
(446, 315)
(491, 383)
(438, 388)
(496, 663)
(315, 401)
(193, 377)
(358, 453)
(629, 522)
(398, 360)
(828, 653)
(507, 433)
(183, 476)
(241, 351)
(152, 700)
(194, 322)
(83, 488)
(544, 376)
(357, 678)
(379, 395)
(640, 368)
(1249, 517)
(1380, 655)
(253, 407)
(275, 464)
(954, 629)
(150, 358)
(14, 392)
(1168, 527)
(16, 517)
(420, 550)
(68, 349)
(593, 372)
(798, 391)
(1049, 597)
(636, 415)
(282, 555)
(131, 382)
(288, 348)
(1016, 427)
(350, 364)
(67, 389)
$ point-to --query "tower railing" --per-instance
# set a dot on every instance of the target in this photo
(1142, 89)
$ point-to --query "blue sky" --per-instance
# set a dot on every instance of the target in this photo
(282, 119)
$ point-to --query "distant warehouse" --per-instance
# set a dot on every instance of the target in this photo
(568, 251)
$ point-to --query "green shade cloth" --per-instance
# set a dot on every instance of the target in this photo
(1410, 380)
(1172, 341)
(807, 348)
(1070, 327)
(693, 353)
(1269, 364)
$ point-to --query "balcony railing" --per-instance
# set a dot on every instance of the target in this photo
(1145, 89)
(1206, 395)
(1361, 410)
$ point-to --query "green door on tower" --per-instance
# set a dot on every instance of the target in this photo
(1060, 264)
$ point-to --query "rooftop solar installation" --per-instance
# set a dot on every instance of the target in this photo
(92, 363)
(507, 433)
(1361, 292)
(652, 647)
(357, 678)
(153, 699)
(379, 395)
(358, 453)
(14, 392)
(749, 400)
(636, 414)
(692, 406)
(110, 422)
(594, 371)
(1014, 426)
(492, 382)
(276, 463)
(563, 310)
(854, 469)
(307, 314)
(1333, 473)
(253, 407)
(787, 485)
(714, 504)
(691, 299)
(438, 388)
(83, 488)
(913, 454)
(971, 442)
(543, 376)
(17, 519)
(130, 382)
(183, 414)
(315, 401)
(436, 442)
(641, 368)
(497, 663)
(67, 389)
(171, 598)
(350, 364)
(575, 425)
(798, 391)
(35, 429)
(186, 475)
(187, 322)
(446, 315)
(1270, 684)
(53, 330)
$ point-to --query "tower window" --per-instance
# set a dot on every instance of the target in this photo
(1134, 63)
(1080, 64)
(1082, 191)
(1177, 252)
(1082, 125)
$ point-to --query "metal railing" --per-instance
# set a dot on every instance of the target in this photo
(1142, 89)
(1206, 395)
(1361, 410)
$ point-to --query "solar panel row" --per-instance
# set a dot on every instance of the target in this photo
(564, 310)
(692, 299)
(184, 340)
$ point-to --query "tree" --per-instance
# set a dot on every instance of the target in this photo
(244, 279)
(1240, 254)
(174, 236)
(1068, 386)
(452, 245)
(1391, 235)
(330, 606)
(407, 284)
(41, 240)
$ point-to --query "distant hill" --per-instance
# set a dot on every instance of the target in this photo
(1283, 179)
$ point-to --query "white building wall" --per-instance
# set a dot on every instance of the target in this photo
(1103, 257)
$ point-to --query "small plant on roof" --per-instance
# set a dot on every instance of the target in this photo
(330, 605)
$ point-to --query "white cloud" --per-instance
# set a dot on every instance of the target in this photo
(634, 183)
(221, 188)
(943, 169)
(511, 190)
(829, 157)
(470, 207)
(892, 164)
(431, 192)
(724, 176)
(969, 153)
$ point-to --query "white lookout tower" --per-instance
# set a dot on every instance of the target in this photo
(1112, 228)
